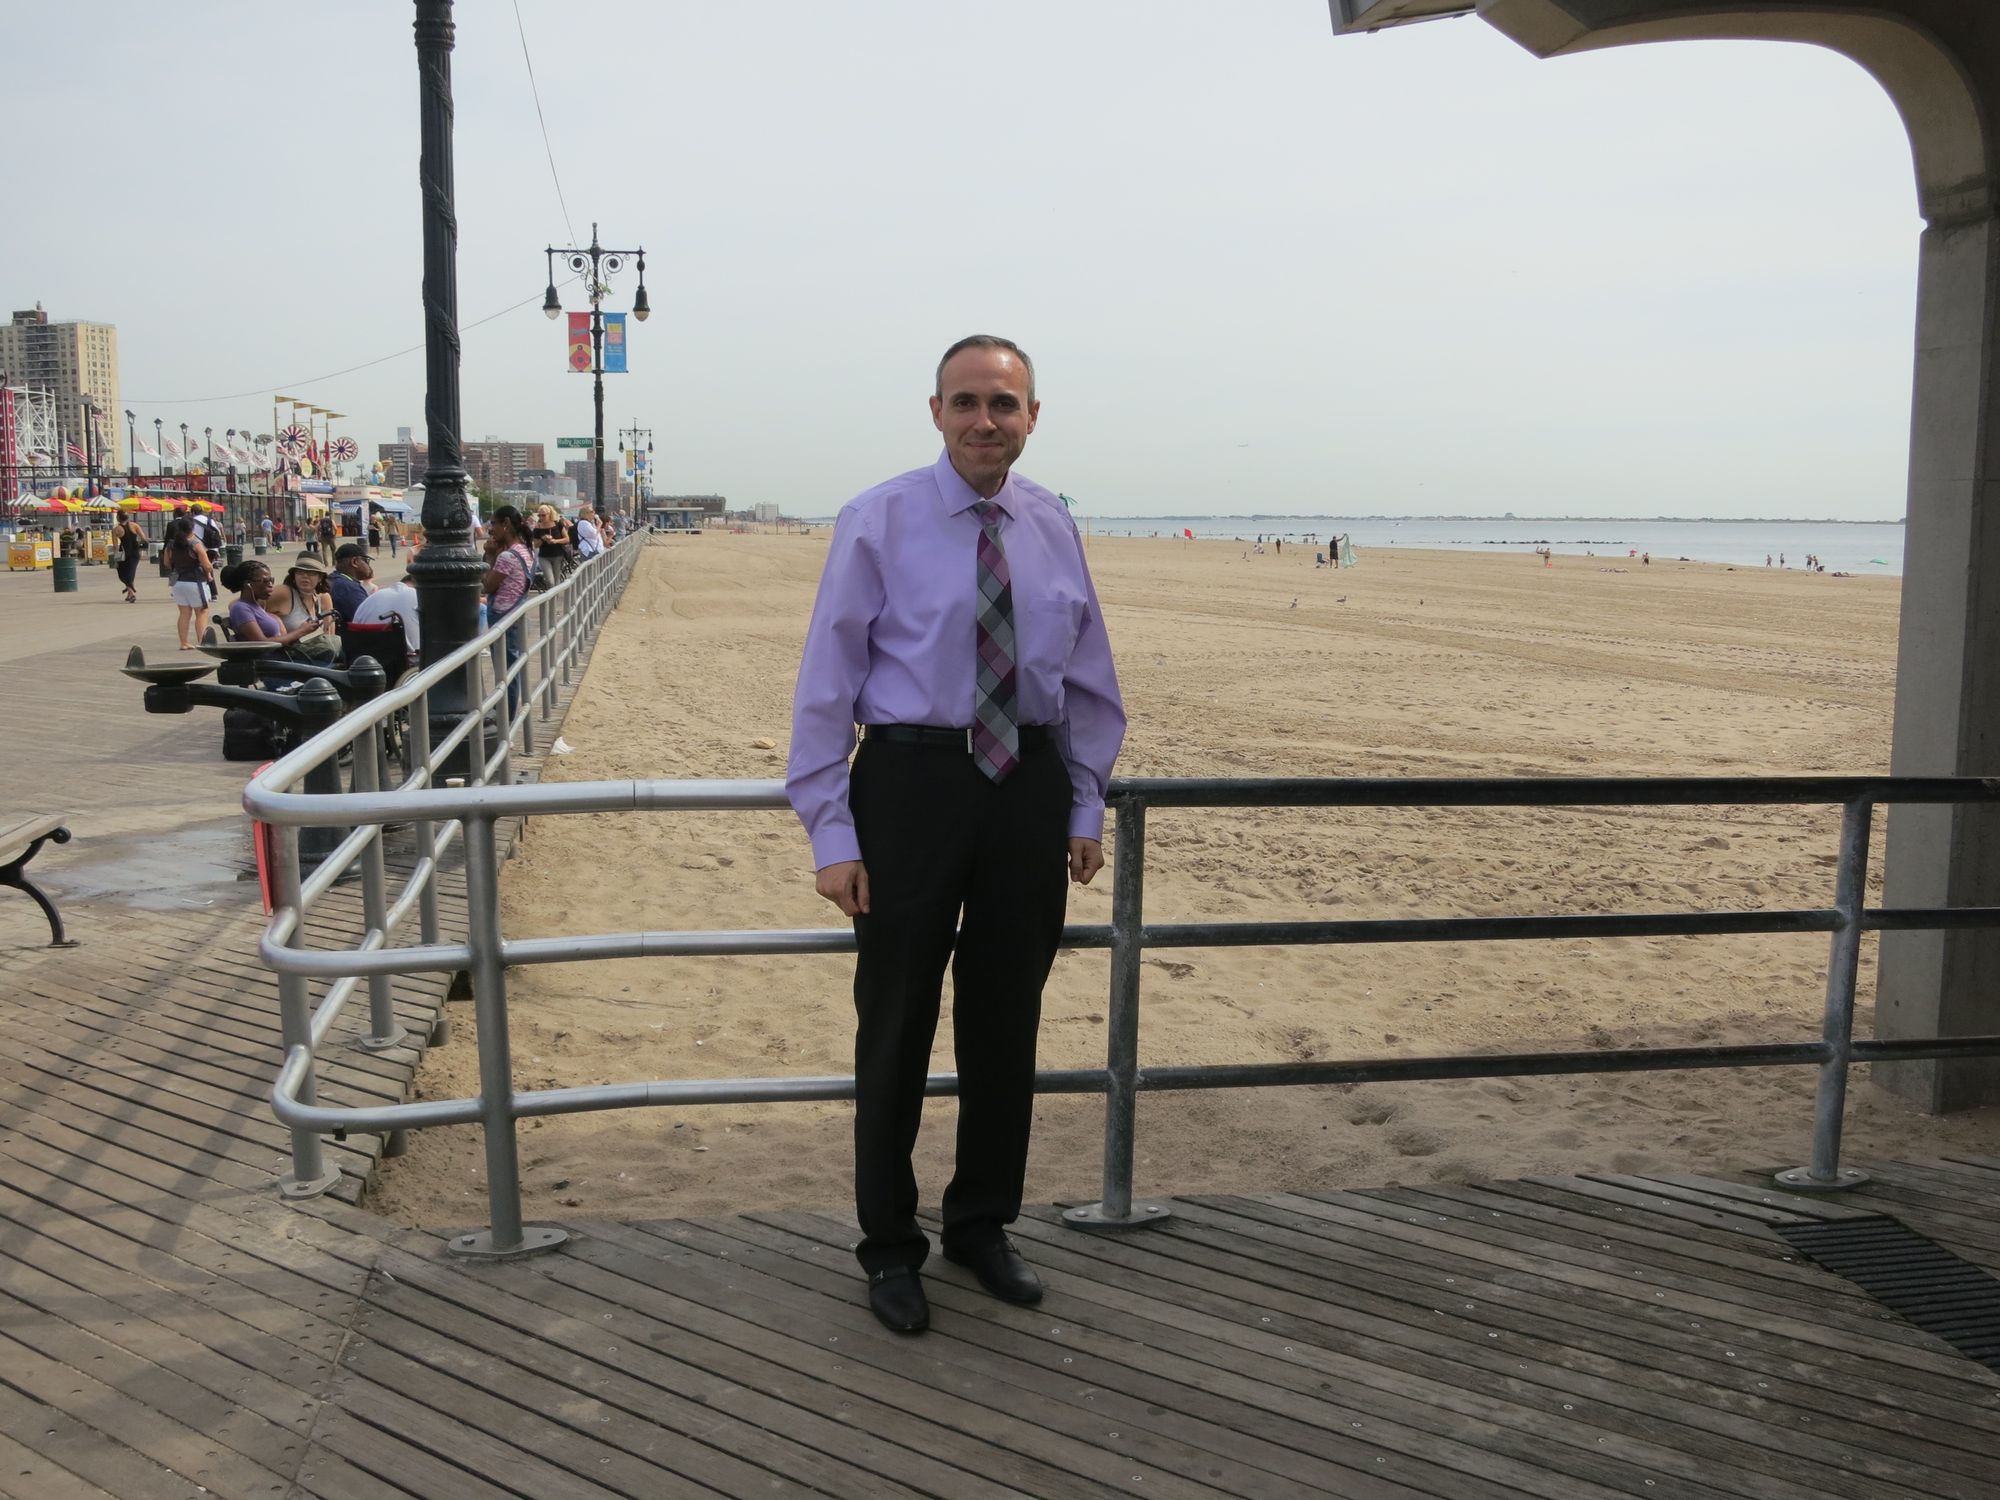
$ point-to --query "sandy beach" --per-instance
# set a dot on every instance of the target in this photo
(1411, 664)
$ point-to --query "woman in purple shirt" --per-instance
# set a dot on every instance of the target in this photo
(956, 622)
(247, 616)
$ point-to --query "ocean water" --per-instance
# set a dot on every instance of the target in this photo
(1870, 547)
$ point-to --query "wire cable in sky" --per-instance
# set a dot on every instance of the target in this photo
(366, 364)
(546, 146)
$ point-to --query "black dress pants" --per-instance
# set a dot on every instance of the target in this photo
(939, 838)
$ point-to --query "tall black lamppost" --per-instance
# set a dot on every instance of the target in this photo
(449, 570)
(184, 450)
(159, 446)
(131, 444)
(89, 447)
(642, 469)
(597, 266)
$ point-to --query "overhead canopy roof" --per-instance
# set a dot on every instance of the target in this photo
(1372, 15)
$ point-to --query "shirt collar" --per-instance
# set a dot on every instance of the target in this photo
(959, 496)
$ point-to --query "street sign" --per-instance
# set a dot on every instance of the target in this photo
(582, 442)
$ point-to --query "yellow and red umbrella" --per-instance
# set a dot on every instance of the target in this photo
(142, 502)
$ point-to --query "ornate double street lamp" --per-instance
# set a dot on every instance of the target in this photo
(597, 265)
(641, 465)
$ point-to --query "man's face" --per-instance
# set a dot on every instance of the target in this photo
(358, 568)
(983, 410)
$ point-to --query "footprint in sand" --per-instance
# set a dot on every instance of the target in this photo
(1416, 1142)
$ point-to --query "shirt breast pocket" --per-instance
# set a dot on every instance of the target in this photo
(1053, 625)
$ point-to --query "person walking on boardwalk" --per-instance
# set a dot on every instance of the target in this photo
(957, 625)
(131, 544)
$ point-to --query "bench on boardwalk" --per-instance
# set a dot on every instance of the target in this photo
(21, 839)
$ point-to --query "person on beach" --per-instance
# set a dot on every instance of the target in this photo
(957, 624)
(193, 587)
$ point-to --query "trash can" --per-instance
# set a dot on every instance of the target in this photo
(259, 548)
(64, 573)
(232, 553)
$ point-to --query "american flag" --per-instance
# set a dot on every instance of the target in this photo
(75, 454)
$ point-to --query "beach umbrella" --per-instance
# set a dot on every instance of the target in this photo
(140, 502)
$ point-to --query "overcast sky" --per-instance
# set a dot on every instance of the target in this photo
(1260, 268)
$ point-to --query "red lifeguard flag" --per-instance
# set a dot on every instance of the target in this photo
(1188, 532)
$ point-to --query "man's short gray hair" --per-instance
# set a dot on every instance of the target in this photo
(988, 341)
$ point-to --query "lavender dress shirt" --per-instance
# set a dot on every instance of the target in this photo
(891, 641)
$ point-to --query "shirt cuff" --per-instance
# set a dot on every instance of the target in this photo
(833, 846)
(1087, 822)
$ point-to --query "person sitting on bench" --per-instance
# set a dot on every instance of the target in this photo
(248, 619)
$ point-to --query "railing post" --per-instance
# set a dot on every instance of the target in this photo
(1116, 1210)
(310, 1176)
(475, 676)
(420, 758)
(505, 1236)
(383, 1029)
(1843, 964)
(545, 647)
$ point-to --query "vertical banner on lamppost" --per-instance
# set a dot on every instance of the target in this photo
(579, 341)
(614, 343)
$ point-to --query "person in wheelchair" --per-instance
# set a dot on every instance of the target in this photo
(390, 608)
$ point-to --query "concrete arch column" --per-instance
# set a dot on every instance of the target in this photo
(1939, 61)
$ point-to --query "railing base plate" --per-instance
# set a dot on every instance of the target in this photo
(1092, 1216)
(398, 1037)
(290, 1187)
(536, 1239)
(1801, 1180)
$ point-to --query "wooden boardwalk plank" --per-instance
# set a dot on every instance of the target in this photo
(1132, 1318)
(85, 1449)
(1241, 1419)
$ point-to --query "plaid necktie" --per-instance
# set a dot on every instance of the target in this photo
(996, 734)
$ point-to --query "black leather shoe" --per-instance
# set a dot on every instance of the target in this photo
(897, 1298)
(1000, 1270)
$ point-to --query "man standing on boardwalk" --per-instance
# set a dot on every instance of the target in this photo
(957, 625)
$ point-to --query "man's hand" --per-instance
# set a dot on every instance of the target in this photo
(846, 885)
(1086, 858)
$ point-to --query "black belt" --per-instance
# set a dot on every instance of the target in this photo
(1033, 736)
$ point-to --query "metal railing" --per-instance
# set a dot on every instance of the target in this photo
(565, 621)
(471, 813)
